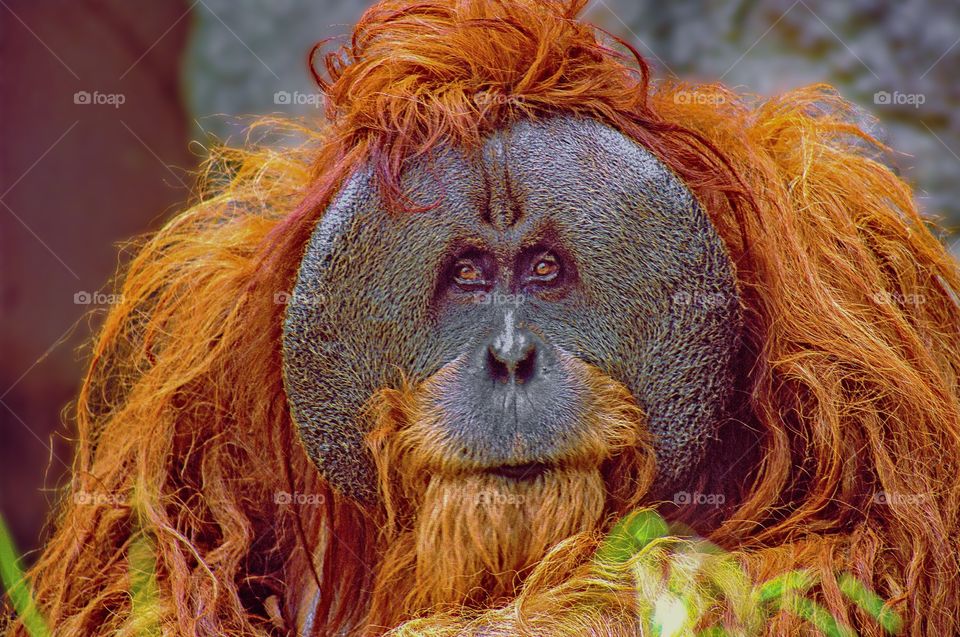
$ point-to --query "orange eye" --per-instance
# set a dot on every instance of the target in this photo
(468, 272)
(546, 267)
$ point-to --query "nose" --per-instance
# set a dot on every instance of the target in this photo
(512, 358)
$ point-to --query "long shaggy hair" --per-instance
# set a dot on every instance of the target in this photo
(844, 454)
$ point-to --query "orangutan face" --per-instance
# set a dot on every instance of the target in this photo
(558, 250)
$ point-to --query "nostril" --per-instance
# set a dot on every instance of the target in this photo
(499, 370)
(527, 365)
(513, 360)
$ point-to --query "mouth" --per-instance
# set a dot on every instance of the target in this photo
(520, 472)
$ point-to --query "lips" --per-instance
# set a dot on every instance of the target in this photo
(520, 472)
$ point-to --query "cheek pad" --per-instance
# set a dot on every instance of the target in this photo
(663, 316)
(347, 330)
(358, 314)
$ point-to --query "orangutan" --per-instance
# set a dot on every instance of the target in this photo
(407, 376)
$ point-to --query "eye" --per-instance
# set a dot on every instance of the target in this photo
(546, 267)
(467, 273)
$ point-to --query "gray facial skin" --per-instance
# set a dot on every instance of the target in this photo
(644, 290)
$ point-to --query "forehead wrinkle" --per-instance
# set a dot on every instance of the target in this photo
(503, 208)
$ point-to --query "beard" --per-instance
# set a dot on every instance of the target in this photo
(454, 537)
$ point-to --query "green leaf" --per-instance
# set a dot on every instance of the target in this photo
(631, 535)
(792, 582)
(817, 615)
(870, 602)
(17, 588)
(142, 569)
(713, 631)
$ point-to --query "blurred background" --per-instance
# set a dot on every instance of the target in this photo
(106, 107)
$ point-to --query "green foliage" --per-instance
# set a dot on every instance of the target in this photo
(686, 586)
(16, 586)
(144, 596)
